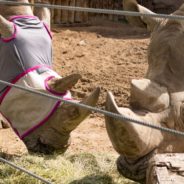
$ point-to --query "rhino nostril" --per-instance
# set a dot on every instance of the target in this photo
(42, 148)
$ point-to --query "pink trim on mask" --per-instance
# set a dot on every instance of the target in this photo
(11, 37)
(47, 29)
(21, 16)
(19, 77)
(51, 90)
(64, 98)
(42, 122)
(36, 126)
(47, 117)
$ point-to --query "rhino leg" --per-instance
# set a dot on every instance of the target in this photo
(133, 142)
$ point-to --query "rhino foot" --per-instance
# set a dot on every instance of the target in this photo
(134, 170)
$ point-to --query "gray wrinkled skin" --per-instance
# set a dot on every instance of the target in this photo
(158, 98)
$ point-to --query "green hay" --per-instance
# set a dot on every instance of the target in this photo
(82, 168)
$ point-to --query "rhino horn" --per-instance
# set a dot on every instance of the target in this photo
(61, 85)
(78, 114)
(143, 21)
(90, 101)
(129, 138)
(6, 28)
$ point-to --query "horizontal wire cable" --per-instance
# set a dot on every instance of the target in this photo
(123, 118)
(110, 114)
(95, 10)
(24, 170)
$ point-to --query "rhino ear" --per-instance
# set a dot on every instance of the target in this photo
(61, 85)
(143, 21)
(6, 28)
(43, 13)
(180, 11)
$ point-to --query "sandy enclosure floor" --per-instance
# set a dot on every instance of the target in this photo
(108, 56)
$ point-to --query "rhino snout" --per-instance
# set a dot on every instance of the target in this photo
(55, 133)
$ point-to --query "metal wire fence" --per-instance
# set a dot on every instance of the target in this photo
(95, 10)
(94, 109)
(123, 118)
(24, 170)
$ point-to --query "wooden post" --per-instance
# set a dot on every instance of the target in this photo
(85, 14)
(91, 5)
(64, 13)
(78, 15)
(105, 6)
(71, 14)
(116, 7)
(111, 6)
(166, 169)
(56, 13)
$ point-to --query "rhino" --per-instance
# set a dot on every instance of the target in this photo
(42, 123)
(158, 98)
(166, 5)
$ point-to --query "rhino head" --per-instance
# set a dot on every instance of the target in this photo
(54, 134)
(157, 98)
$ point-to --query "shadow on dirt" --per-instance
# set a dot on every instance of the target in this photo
(117, 30)
(90, 164)
(97, 179)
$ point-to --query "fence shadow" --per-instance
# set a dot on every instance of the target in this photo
(108, 29)
(90, 163)
(94, 179)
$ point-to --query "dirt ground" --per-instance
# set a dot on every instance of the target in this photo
(107, 55)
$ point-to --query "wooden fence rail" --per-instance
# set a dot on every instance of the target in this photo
(70, 17)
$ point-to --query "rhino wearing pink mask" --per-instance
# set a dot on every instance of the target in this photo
(158, 98)
(26, 59)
